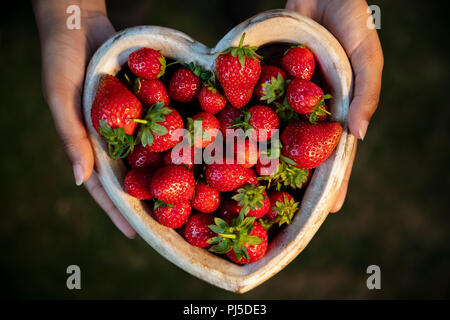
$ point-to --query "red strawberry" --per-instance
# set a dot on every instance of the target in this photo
(238, 70)
(246, 153)
(270, 86)
(252, 200)
(147, 63)
(313, 143)
(228, 209)
(184, 85)
(298, 62)
(227, 117)
(206, 131)
(151, 92)
(173, 184)
(186, 81)
(251, 176)
(282, 207)
(244, 241)
(262, 119)
(290, 132)
(228, 177)
(305, 97)
(206, 199)
(256, 250)
(197, 230)
(159, 129)
(269, 167)
(211, 100)
(112, 114)
(172, 216)
(142, 157)
(137, 183)
(170, 157)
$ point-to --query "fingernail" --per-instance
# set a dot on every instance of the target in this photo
(338, 205)
(132, 237)
(363, 124)
(78, 173)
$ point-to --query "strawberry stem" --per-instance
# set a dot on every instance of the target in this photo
(140, 121)
(172, 63)
(241, 42)
(229, 236)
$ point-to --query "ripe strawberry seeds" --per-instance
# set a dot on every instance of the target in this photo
(160, 116)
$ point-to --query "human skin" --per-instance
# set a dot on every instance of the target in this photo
(347, 21)
(65, 54)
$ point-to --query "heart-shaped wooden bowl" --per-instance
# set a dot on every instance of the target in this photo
(268, 27)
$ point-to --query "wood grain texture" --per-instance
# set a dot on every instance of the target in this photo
(264, 28)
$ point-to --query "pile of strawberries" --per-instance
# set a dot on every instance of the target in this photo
(231, 204)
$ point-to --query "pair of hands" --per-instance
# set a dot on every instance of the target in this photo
(65, 54)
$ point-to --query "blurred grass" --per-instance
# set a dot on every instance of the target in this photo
(396, 213)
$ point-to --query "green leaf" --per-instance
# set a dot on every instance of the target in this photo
(238, 252)
(216, 229)
(159, 130)
(241, 59)
(254, 240)
(162, 61)
(221, 223)
(245, 252)
(214, 240)
(273, 90)
(146, 137)
(288, 160)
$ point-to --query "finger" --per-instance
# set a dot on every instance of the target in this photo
(66, 112)
(62, 79)
(96, 190)
(339, 202)
(306, 8)
(367, 62)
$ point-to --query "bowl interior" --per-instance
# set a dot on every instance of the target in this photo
(269, 27)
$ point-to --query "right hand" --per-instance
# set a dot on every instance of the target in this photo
(65, 54)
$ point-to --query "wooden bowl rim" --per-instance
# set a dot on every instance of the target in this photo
(270, 26)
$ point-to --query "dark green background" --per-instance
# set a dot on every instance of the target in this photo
(396, 214)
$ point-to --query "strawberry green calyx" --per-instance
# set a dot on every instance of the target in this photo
(242, 52)
(285, 210)
(196, 134)
(242, 121)
(286, 175)
(295, 46)
(203, 74)
(250, 197)
(266, 223)
(150, 125)
(285, 112)
(210, 84)
(162, 61)
(120, 144)
(319, 110)
(273, 90)
(212, 89)
(161, 204)
(233, 236)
